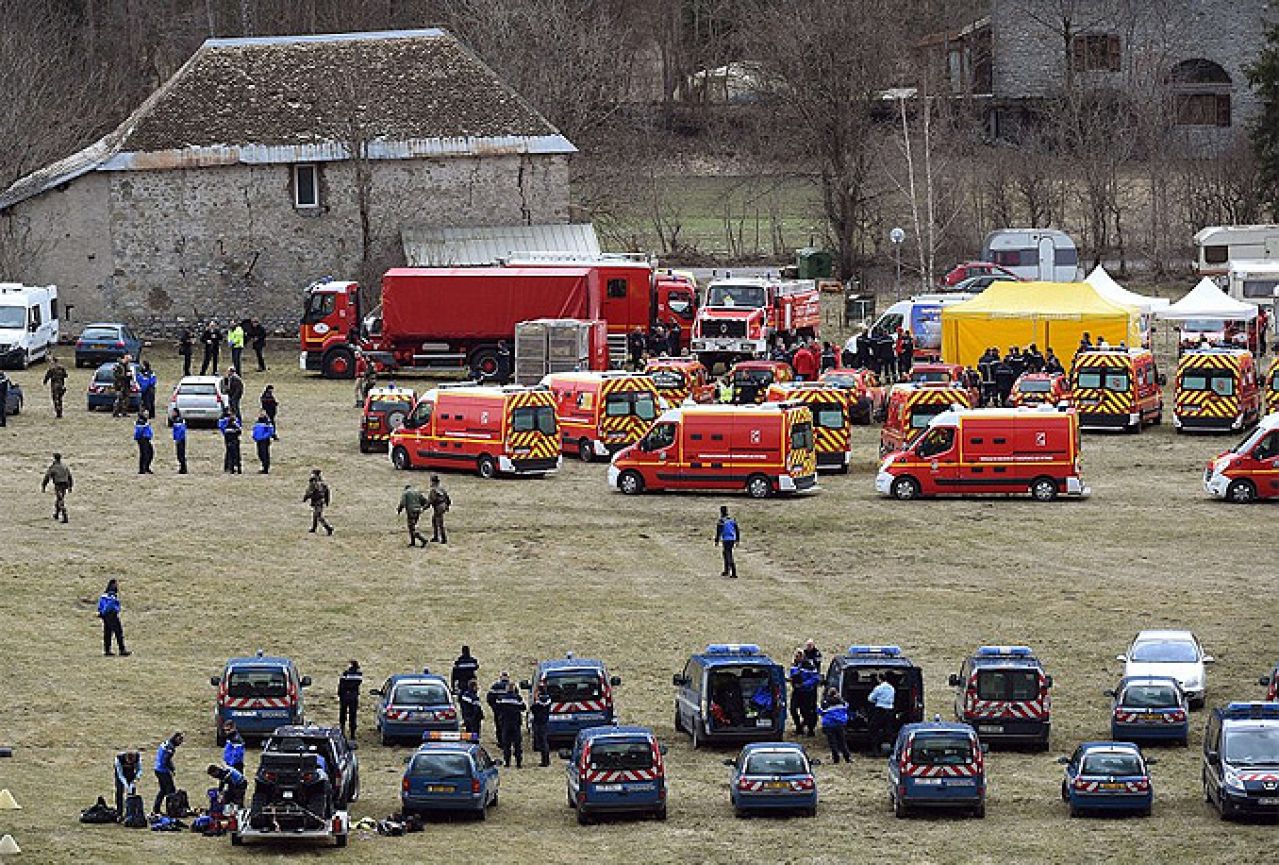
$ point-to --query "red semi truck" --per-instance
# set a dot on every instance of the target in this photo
(744, 316)
(455, 317)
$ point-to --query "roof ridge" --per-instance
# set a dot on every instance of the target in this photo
(299, 38)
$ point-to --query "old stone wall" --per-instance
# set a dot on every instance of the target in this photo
(160, 247)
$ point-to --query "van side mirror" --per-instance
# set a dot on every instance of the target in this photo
(526, 685)
(815, 761)
(954, 680)
(214, 681)
(33, 327)
(1212, 757)
(377, 692)
(1151, 761)
(1263, 681)
(1110, 692)
(663, 750)
(1209, 659)
(615, 681)
(730, 763)
(985, 748)
(679, 680)
(1048, 680)
(1063, 761)
(564, 753)
(1123, 659)
(306, 682)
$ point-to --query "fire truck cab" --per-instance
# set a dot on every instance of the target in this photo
(763, 449)
(1251, 470)
(744, 316)
(832, 420)
(911, 408)
(989, 451)
(1002, 692)
(1217, 391)
(602, 412)
(867, 394)
(509, 429)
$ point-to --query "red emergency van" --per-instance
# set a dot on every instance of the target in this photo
(489, 429)
(679, 378)
(602, 412)
(911, 407)
(989, 451)
(1217, 391)
(762, 449)
(1251, 470)
(832, 419)
(1037, 388)
(935, 372)
(751, 378)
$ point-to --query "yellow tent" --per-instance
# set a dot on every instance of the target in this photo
(1049, 314)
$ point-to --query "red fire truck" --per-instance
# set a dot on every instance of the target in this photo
(744, 316)
(455, 317)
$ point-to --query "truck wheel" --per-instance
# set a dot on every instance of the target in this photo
(900, 810)
(583, 819)
(365, 447)
(484, 363)
(905, 488)
(586, 450)
(630, 483)
(236, 839)
(1043, 489)
(759, 487)
(485, 467)
(980, 811)
(1241, 492)
(679, 723)
(400, 459)
(338, 363)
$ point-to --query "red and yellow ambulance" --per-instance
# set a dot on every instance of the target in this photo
(1217, 391)
(385, 409)
(1251, 470)
(679, 378)
(751, 379)
(989, 451)
(1272, 387)
(763, 450)
(1038, 388)
(1116, 388)
(936, 372)
(601, 412)
(511, 430)
(911, 407)
(832, 419)
(868, 395)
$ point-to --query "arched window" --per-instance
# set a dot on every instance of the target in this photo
(1201, 93)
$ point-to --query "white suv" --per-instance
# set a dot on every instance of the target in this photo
(1176, 654)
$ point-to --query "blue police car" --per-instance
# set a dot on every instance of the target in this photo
(937, 765)
(616, 770)
(1149, 709)
(1241, 759)
(412, 704)
(773, 776)
(581, 692)
(450, 772)
(1107, 776)
(731, 692)
(258, 693)
(1004, 693)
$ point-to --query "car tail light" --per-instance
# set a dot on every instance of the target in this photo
(475, 785)
(446, 715)
(269, 777)
(1178, 716)
(1079, 784)
(802, 784)
(404, 785)
(743, 783)
(119, 343)
(1142, 785)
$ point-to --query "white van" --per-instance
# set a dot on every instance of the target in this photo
(921, 315)
(28, 323)
(1218, 245)
(1043, 254)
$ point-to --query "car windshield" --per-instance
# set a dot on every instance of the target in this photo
(775, 763)
(667, 379)
(539, 418)
(613, 755)
(828, 416)
(389, 405)
(1016, 685)
(955, 750)
(922, 416)
(1203, 325)
(753, 376)
(840, 380)
(257, 682)
(736, 295)
(1112, 764)
(1221, 383)
(420, 694)
(1165, 652)
(1035, 385)
(930, 375)
(1150, 697)
(100, 333)
(440, 766)
(1109, 379)
(198, 389)
(574, 687)
(13, 317)
(1252, 747)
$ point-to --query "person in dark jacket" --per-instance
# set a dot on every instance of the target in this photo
(1005, 377)
(229, 426)
(635, 348)
(472, 707)
(349, 684)
(727, 534)
(905, 355)
(465, 668)
(186, 343)
(211, 339)
(257, 338)
(232, 785)
(886, 357)
(165, 770)
(56, 378)
(508, 714)
(180, 440)
(830, 359)
(263, 435)
(147, 381)
(128, 771)
(496, 690)
(233, 387)
(270, 405)
(60, 476)
(834, 714)
(233, 747)
(674, 339)
(142, 434)
(505, 366)
(109, 613)
(540, 714)
(317, 496)
(813, 655)
(805, 680)
(1052, 364)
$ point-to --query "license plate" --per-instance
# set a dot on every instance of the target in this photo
(1268, 801)
(561, 717)
(1112, 786)
(608, 788)
(302, 361)
(438, 788)
(929, 782)
(763, 722)
(990, 728)
(287, 794)
(776, 785)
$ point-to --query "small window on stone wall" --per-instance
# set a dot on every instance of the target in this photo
(306, 186)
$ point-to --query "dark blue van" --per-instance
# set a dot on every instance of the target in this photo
(731, 693)
(581, 692)
(258, 693)
(616, 770)
(939, 765)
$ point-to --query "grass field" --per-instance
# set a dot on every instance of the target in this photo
(213, 566)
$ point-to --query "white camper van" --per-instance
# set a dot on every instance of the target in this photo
(28, 323)
(1043, 254)
(1218, 245)
(1253, 282)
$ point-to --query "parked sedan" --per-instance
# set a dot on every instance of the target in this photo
(1107, 776)
(106, 341)
(102, 388)
(411, 705)
(1170, 653)
(198, 397)
(1149, 709)
(773, 776)
(13, 400)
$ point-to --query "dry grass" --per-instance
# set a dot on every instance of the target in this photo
(213, 566)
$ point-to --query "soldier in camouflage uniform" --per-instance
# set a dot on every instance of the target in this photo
(60, 476)
(412, 503)
(56, 378)
(317, 495)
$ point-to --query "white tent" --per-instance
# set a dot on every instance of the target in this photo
(1206, 300)
(1106, 286)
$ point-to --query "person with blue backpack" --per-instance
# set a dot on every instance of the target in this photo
(804, 681)
(263, 435)
(142, 434)
(834, 714)
(233, 749)
(164, 769)
(727, 535)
